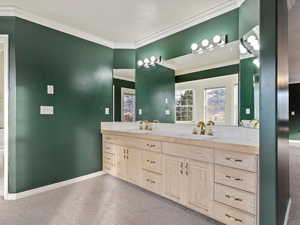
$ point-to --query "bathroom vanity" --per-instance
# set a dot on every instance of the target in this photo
(216, 176)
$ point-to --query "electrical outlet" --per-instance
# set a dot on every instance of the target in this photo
(140, 111)
(46, 110)
(106, 111)
(167, 112)
(166, 100)
(293, 113)
(50, 89)
(248, 111)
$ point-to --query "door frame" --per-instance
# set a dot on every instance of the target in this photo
(123, 91)
(4, 39)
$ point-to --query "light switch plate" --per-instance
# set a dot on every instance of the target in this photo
(166, 100)
(50, 89)
(46, 110)
(167, 112)
(248, 111)
(106, 111)
(140, 111)
(293, 113)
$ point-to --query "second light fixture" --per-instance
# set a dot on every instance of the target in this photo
(206, 44)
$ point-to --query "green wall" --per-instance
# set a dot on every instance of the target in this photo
(153, 85)
(48, 149)
(215, 72)
(124, 59)
(246, 90)
(179, 44)
(119, 84)
(249, 16)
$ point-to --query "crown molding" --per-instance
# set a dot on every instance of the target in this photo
(192, 21)
(17, 12)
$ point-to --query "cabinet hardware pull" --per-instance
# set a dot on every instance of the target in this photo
(187, 169)
(152, 162)
(107, 158)
(233, 160)
(107, 148)
(127, 151)
(181, 171)
(233, 178)
(152, 182)
(233, 218)
(234, 198)
(148, 160)
(181, 165)
(151, 145)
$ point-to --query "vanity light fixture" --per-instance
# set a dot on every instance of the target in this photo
(206, 44)
(149, 62)
(251, 44)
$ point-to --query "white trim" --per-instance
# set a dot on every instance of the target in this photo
(294, 82)
(4, 40)
(192, 21)
(287, 213)
(53, 186)
(123, 78)
(15, 11)
(294, 142)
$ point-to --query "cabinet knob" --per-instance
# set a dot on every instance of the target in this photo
(233, 178)
(233, 218)
(233, 159)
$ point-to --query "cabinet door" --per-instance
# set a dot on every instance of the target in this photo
(134, 158)
(121, 170)
(174, 178)
(200, 185)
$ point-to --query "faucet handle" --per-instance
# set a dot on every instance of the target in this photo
(210, 123)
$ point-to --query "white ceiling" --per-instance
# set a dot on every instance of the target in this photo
(221, 56)
(294, 40)
(124, 21)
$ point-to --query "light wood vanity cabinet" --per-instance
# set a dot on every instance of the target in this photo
(222, 184)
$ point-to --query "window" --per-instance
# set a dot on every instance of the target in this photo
(235, 104)
(184, 105)
(215, 104)
(128, 105)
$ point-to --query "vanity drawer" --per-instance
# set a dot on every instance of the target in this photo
(236, 160)
(109, 158)
(109, 139)
(240, 179)
(235, 198)
(189, 151)
(144, 144)
(152, 161)
(152, 182)
(229, 215)
(107, 147)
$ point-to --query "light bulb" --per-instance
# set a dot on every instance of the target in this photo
(205, 43)
(251, 39)
(146, 61)
(140, 63)
(194, 46)
(243, 50)
(256, 45)
(217, 39)
(256, 62)
(153, 59)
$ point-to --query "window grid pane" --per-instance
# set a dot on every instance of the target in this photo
(184, 105)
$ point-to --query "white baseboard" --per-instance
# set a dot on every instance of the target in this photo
(287, 213)
(52, 186)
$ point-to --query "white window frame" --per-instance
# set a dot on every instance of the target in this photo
(205, 103)
(215, 82)
(123, 92)
(193, 106)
